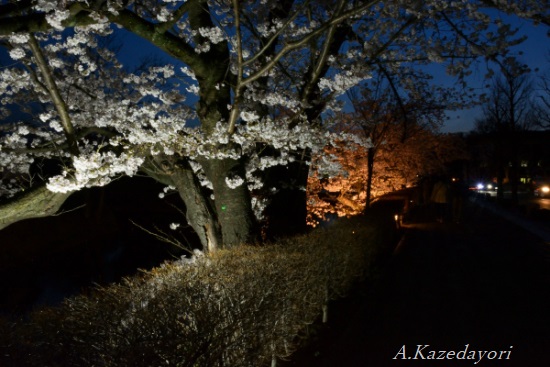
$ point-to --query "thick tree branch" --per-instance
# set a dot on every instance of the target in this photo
(233, 116)
(52, 146)
(176, 16)
(36, 22)
(58, 101)
(320, 66)
(28, 23)
(79, 16)
(36, 203)
(15, 8)
(164, 40)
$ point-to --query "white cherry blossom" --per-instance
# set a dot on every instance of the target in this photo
(255, 86)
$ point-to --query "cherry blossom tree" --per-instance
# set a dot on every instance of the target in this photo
(386, 104)
(399, 163)
(264, 74)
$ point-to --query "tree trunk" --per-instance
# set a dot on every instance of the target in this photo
(514, 181)
(370, 173)
(232, 205)
(500, 166)
(514, 167)
(287, 210)
(199, 213)
(500, 181)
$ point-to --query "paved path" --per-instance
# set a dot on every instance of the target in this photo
(484, 284)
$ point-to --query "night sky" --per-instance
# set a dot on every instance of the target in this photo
(535, 52)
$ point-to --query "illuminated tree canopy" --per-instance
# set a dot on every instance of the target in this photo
(249, 90)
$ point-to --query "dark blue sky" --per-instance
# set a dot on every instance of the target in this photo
(536, 54)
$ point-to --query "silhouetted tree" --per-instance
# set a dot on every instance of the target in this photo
(508, 112)
(388, 104)
(543, 106)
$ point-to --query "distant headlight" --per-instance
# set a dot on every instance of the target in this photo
(480, 186)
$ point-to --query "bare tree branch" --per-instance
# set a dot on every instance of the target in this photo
(274, 37)
(304, 40)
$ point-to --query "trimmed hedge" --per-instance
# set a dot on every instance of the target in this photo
(238, 307)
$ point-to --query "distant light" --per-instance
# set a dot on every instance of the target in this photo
(396, 217)
(489, 186)
(545, 189)
(480, 186)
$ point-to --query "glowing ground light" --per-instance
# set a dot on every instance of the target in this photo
(397, 220)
